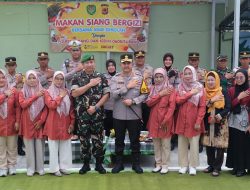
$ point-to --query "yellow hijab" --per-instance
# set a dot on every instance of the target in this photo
(217, 90)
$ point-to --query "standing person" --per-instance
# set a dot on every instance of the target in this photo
(59, 125)
(34, 114)
(238, 122)
(15, 80)
(172, 73)
(108, 106)
(161, 120)
(90, 90)
(192, 107)
(147, 72)
(216, 128)
(226, 74)
(127, 112)
(244, 61)
(73, 65)
(44, 72)
(194, 60)
(9, 126)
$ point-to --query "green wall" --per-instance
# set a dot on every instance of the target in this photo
(176, 29)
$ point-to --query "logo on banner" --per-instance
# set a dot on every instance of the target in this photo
(91, 9)
(105, 9)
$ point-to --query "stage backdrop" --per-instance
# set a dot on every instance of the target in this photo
(114, 27)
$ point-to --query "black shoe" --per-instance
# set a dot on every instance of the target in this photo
(200, 148)
(209, 169)
(137, 168)
(85, 168)
(21, 152)
(240, 173)
(233, 172)
(100, 169)
(117, 168)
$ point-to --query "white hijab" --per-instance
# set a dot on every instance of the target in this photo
(54, 92)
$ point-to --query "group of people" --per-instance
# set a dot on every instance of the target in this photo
(201, 107)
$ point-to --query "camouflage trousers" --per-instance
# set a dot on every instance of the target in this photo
(95, 134)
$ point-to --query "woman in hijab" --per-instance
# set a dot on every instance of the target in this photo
(33, 117)
(191, 100)
(161, 121)
(216, 128)
(59, 125)
(9, 126)
(108, 106)
(238, 123)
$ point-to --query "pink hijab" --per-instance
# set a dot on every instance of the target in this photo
(54, 92)
(155, 89)
(29, 91)
(4, 105)
(185, 87)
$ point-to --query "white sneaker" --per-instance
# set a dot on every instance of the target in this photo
(12, 171)
(164, 170)
(192, 171)
(65, 172)
(58, 174)
(30, 173)
(183, 170)
(3, 172)
(41, 173)
(156, 169)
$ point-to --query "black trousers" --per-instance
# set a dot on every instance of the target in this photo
(108, 121)
(145, 116)
(133, 127)
(215, 157)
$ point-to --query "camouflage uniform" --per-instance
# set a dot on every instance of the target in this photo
(224, 82)
(90, 126)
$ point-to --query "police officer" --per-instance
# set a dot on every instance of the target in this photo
(126, 91)
(90, 90)
(226, 74)
(194, 60)
(147, 72)
(15, 80)
(244, 61)
(73, 65)
(44, 72)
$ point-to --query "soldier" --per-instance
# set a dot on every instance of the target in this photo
(147, 73)
(15, 80)
(108, 106)
(194, 60)
(244, 61)
(126, 91)
(226, 75)
(90, 90)
(73, 65)
(44, 72)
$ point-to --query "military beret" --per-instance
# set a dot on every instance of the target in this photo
(87, 57)
(244, 54)
(10, 60)
(193, 55)
(43, 55)
(139, 54)
(221, 57)
(126, 58)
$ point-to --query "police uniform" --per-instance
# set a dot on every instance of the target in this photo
(200, 71)
(127, 117)
(243, 54)
(225, 83)
(45, 82)
(11, 61)
(69, 66)
(90, 126)
(147, 71)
